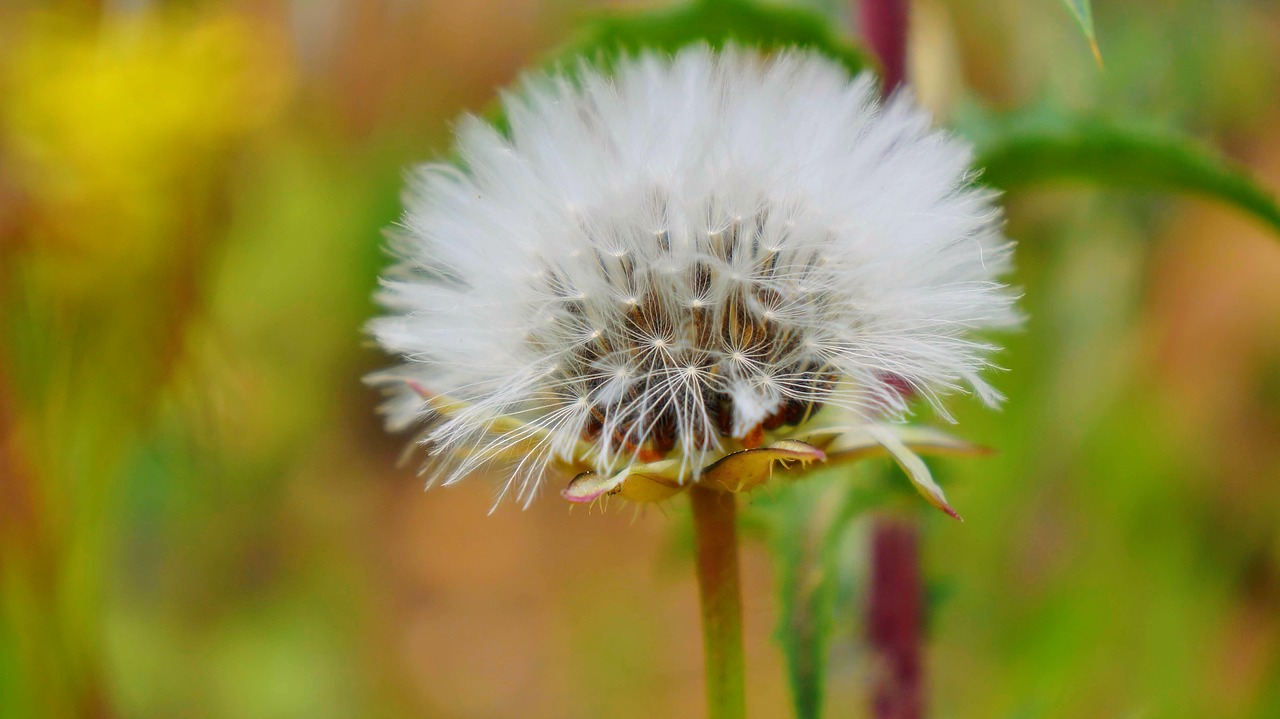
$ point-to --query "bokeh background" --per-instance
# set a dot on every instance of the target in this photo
(200, 515)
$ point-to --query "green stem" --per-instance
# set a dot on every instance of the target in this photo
(716, 534)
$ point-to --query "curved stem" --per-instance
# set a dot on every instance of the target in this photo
(716, 536)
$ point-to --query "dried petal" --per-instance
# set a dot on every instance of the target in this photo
(745, 470)
(651, 482)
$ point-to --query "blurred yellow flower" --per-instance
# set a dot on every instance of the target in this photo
(114, 133)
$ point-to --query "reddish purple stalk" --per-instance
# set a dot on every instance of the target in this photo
(895, 609)
(884, 27)
(895, 606)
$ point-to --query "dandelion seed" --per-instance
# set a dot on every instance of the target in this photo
(683, 259)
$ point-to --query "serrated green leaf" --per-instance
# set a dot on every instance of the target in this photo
(1034, 148)
(1082, 11)
(715, 22)
(802, 519)
(807, 525)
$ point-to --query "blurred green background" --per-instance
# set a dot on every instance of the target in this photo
(200, 515)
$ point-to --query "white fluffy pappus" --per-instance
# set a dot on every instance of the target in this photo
(679, 256)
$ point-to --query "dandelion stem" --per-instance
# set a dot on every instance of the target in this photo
(716, 535)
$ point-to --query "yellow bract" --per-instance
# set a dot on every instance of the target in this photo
(743, 470)
(748, 469)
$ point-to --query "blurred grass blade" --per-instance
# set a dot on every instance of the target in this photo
(715, 22)
(1082, 11)
(1036, 148)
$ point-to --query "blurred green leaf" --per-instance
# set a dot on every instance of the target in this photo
(1082, 11)
(1038, 147)
(715, 22)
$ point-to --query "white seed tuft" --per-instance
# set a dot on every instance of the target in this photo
(683, 253)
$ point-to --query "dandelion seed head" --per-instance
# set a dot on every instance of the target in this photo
(672, 258)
